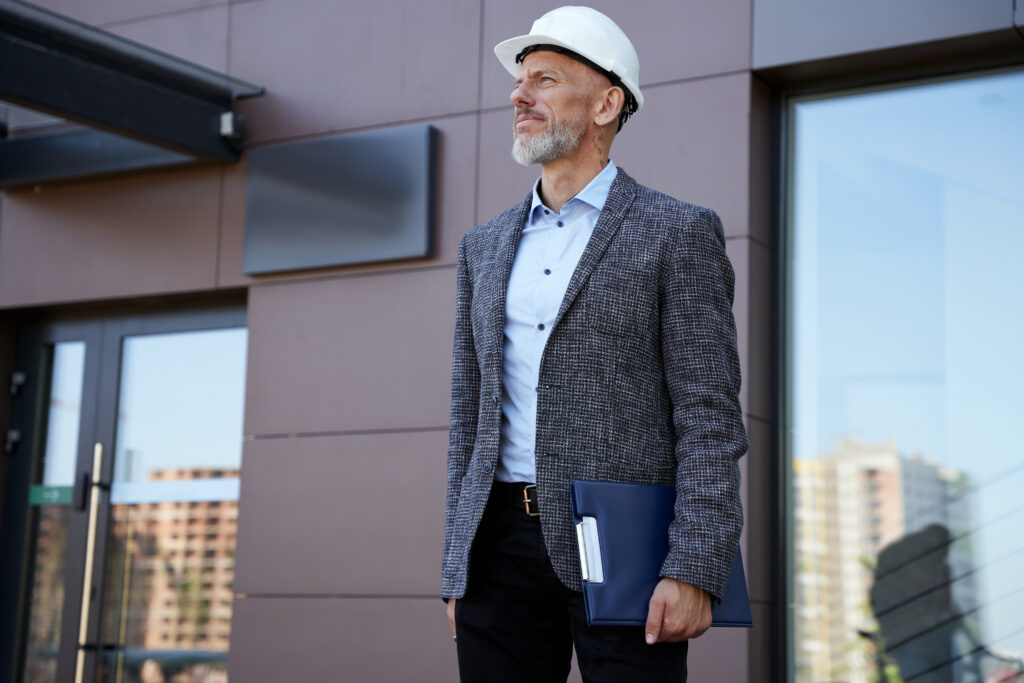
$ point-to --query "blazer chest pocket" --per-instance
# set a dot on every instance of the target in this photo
(622, 304)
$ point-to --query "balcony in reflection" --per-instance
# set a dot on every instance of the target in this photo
(170, 584)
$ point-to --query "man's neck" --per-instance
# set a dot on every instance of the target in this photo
(562, 179)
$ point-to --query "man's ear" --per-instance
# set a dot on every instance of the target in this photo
(609, 106)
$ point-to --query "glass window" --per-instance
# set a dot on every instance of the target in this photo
(905, 382)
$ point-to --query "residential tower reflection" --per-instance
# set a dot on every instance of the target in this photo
(169, 585)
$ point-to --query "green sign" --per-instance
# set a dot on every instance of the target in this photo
(50, 495)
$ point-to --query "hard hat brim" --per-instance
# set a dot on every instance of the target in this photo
(507, 50)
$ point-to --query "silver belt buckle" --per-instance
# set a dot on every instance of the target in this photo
(526, 500)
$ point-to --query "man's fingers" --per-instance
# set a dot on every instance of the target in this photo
(451, 614)
(704, 625)
(655, 613)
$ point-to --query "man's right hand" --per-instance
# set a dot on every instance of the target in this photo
(451, 614)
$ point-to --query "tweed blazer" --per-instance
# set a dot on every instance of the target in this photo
(639, 382)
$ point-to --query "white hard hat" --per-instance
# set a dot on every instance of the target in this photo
(586, 33)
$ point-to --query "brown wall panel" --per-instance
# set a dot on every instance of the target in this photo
(361, 63)
(759, 646)
(199, 36)
(751, 308)
(357, 353)
(302, 640)
(503, 182)
(109, 11)
(352, 514)
(751, 262)
(674, 39)
(718, 655)
(757, 534)
(146, 234)
(762, 165)
(690, 141)
(456, 179)
(231, 237)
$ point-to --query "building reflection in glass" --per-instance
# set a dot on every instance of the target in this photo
(47, 594)
(886, 568)
(169, 584)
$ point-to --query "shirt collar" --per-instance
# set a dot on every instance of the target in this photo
(595, 194)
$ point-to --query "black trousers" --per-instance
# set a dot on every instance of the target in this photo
(517, 622)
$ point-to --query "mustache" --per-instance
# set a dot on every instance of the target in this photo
(531, 112)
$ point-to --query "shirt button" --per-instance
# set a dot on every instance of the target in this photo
(540, 326)
(546, 212)
(561, 224)
(487, 467)
(547, 271)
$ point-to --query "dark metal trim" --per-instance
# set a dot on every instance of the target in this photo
(900, 63)
(78, 154)
(172, 112)
(43, 78)
(781, 665)
(40, 26)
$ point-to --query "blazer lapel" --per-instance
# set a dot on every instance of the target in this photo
(620, 197)
(501, 269)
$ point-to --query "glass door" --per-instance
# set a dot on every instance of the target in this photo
(169, 570)
(128, 480)
(52, 506)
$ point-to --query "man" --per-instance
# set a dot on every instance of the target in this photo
(594, 339)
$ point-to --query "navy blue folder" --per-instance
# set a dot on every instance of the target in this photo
(632, 527)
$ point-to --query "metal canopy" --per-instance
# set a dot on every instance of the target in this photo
(144, 108)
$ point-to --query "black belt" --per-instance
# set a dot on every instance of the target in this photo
(518, 495)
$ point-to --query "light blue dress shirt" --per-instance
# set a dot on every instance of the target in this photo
(549, 250)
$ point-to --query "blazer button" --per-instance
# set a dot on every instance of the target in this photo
(497, 401)
(487, 467)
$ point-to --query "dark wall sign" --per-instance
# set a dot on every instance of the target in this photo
(341, 200)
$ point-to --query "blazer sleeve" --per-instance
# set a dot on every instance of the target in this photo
(702, 373)
(465, 398)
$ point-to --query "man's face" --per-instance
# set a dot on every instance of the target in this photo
(552, 97)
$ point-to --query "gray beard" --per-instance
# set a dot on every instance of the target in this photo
(560, 140)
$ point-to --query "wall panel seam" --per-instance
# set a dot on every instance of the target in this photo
(757, 418)
(657, 84)
(369, 127)
(270, 436)
(749, 237)
(336, 596)
(169, 13)
(256, 284)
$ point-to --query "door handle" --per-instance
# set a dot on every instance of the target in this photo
(81, 492)
(90, 551)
